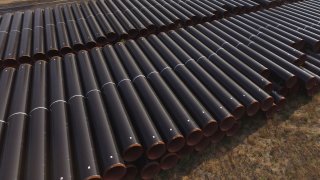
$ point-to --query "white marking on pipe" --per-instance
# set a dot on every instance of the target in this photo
(177, 66)
(92, 91)
(79, 95)
(122, 81)
(111, 157)
(17, 113)
(130, 137)
(164, 69)
(37, 108)
(153, 72)
(107, 84)
(137, 77)
(188, 61)
(57, 102)
(153, 137)
(89, 167)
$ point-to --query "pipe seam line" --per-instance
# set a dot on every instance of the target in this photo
(17, 113)
(165, 69)
(57, 102)
(74, 96)
(152, 72)
(92, 90)
(138, 77)
(107, 84)
(177, 66)
(40, 107)
(122, 80)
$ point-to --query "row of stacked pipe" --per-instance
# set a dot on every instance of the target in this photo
(133, 108)
(43, 33)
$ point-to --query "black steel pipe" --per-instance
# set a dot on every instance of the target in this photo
(84, 29)
(111, 163)
(220, 113)
(60, 154)
(252, 63)
(83, 149)
(148, 169)
(290, 78)
(6, 84)
(136, 17)
(150, 137)
(230, 58)
(136, 5)
(97, 31)
(4, 31)
(252, 105)
(116, 25)
(73, 32)
(51, 36)
(161, 119)
(307, 78)
(298, 42)
(190, 130)
(37, 131)
(193, 17)
(11, 53)
(127, 25)
(38, 48)
(24, 54)
(168, 161)
(63, 39)
(200, 16)
(132, 172)
(235, 128)
(127, 140)
(211, 14)
(13, 147)
(265, 99)
(234, 107)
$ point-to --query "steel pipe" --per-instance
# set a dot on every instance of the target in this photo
(6, 84)
(37, 139)
(83, 149)
(51, 36)
(11, 53)
(127, 140)
(168, 161)
(108, 154)
(60, 154)
(13, 149)
(148, 169)
(4, 31)
(190, 130)
(151, 139)
(38, 48)
(86, 34)
(63, 40)
(24, 54)
(161, 119)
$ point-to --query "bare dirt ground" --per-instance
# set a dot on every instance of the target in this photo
(284, 147)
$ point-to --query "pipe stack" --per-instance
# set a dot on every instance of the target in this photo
(134, 108)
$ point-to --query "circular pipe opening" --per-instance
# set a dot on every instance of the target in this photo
(78, 47)
(210, 128)
(150, 170)
(227, 123)
(239, 111)
(102, 40)
(194, 137)
(131, 173)
(271, 111)
(25, 59)
(234, 129)
(202, 145)
(91, 44)
(133, 152)
(65, 50)
(94, 177)
(188, 22)
(291, 81)
(124, 36)
(133, 33)
(218, 136)
(52, 53)
(172, 26)
(176, 143)
(267, 103)
(195, 19)
(39, 56)
(265, 73)
(299, 45)
(162, 28)
(10, 63)
(115, 172)
(152, 29)
(281, 102)
(156, 150)
(143, 32)
(268, 87)
(184, 151)
(169, 161)
(311, 82)
(253, 108)
(111, 37)
(205, 19)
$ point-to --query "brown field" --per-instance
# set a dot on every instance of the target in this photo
(284, 147)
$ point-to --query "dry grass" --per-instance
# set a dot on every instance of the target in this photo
(285, 147)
